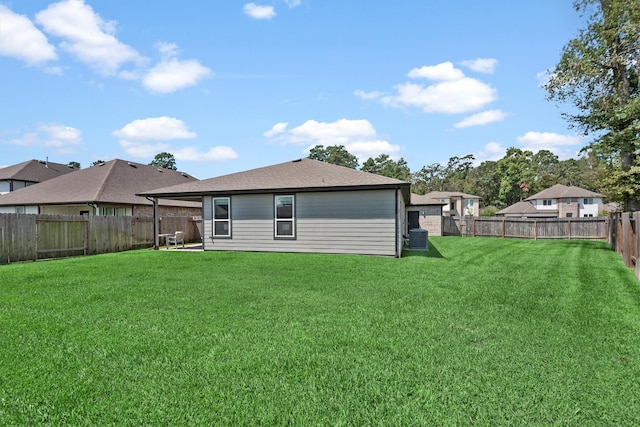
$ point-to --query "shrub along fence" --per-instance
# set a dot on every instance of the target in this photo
(25, 237)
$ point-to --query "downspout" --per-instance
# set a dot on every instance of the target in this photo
(398, 251)
(156, 224)
(95, 208)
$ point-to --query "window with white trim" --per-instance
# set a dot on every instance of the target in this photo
(285, 216)
(221, 217)
(547, 202)
(587, 201)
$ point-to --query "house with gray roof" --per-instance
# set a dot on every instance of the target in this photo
(31, 172)
(558, 201)
(299, 206)
(108, 188)
(457, 203)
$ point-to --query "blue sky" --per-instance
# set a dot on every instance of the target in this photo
(231, 85)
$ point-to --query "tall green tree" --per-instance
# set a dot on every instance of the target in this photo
(429, 178)
(516, 176)
(544, 164)
(386, 166)
(335, 154)
(164, 160)
(599, 74)
(457, 173)
(484, 181)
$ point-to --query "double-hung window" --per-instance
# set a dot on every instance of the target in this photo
(547, 202)
(587, 201)
(285, 216)
(221, 217)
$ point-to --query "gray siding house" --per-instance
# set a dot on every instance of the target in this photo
(299, 206)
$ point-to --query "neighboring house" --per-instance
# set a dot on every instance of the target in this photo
(105, 189)
(426, 213)
(558, 201)
(31, 172)
(299, 206)
(457, 203)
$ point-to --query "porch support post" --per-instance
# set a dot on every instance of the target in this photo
(156, 225)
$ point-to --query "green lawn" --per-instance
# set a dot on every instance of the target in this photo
(481, 331)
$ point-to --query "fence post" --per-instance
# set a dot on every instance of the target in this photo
(626, 244)
(636, 217)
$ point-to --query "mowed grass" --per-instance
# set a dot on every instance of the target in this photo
(481, 331)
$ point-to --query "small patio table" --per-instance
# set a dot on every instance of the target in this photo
(165, 235)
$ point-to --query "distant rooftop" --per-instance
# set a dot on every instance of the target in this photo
(34, 171)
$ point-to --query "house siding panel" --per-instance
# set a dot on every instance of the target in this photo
(356, 222)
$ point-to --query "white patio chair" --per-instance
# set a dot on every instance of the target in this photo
(178, 237)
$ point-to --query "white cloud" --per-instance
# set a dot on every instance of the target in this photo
(340, 132)
(167, 50)
(359, 137)
(450, 97)
(368, 96)
(277, 129)
(91, 40)
(451, 93)
(19, 38)
(147, 137)
(155, 128)
(481, 65)
(64, 139)
(493, 151)
(293, 3)
(216, 154)
(481, 119)
(564, 146)
(366, 149)
(441, 72)
(256, 11)
(173, 74)
(87, 36)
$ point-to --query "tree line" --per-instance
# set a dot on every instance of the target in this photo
(516, 176)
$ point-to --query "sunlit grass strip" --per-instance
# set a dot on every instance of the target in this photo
(484, 331)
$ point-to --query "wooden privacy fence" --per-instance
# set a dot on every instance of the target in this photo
(528, 228)
(25, 237)
(625, 239)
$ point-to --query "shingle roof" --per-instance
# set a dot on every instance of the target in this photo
(34, 171)
(559, 191)
(425, 199)
(303, 174)
(448, 194)
(522, 207)
(116, 181)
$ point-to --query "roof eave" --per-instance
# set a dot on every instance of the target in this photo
(191, 195)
